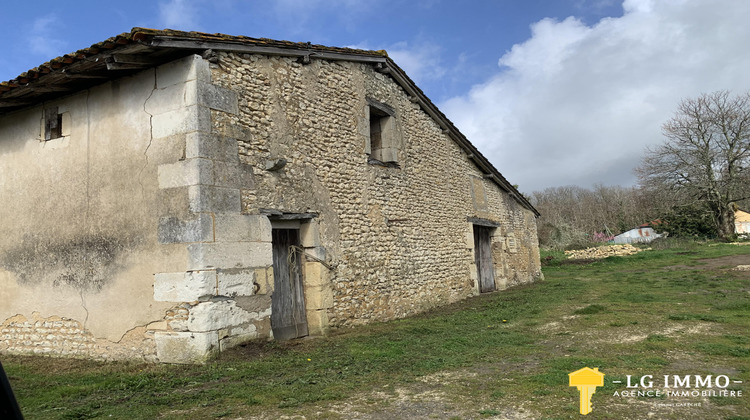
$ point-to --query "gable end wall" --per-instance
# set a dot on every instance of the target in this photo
(399, 238)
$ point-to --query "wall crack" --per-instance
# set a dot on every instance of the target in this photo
(150, 137)
(83, 305)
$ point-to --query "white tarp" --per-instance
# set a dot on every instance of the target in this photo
(637, 235)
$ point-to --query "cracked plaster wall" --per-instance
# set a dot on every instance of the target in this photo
(80, 247)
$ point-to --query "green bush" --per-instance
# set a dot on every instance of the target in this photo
(693, 221)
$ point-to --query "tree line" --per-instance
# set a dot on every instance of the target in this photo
(690, 185)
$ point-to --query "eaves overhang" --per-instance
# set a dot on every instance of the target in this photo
(142, 48)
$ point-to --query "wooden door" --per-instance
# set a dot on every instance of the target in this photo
(288, 318)
(483, 258)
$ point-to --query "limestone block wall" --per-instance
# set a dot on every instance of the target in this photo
(126, 238)
(397, 237)
(222, 292)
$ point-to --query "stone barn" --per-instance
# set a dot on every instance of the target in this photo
(167, 195)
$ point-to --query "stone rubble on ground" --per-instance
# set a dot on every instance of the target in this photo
(603, 252)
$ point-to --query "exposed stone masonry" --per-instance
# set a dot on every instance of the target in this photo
(397, 236)
(232, 148)
(61, 336)
(44, 336)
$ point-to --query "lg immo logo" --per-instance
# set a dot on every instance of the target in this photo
(669, 386)
(679, 386)
(586, 380)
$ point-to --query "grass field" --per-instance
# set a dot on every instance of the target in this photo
(683, 310)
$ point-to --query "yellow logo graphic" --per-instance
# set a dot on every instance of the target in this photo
(586, 380)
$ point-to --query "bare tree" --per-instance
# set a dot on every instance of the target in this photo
(705, 156)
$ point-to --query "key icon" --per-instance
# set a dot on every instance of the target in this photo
(586, 380)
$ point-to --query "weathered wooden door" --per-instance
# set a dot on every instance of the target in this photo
(483, 258)
(288, 318)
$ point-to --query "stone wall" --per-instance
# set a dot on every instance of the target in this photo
(399, 237)
(221, 292)
(161, 198)
(60, 336)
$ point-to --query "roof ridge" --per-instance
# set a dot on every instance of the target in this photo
(79, 70)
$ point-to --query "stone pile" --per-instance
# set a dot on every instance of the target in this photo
(602, 252)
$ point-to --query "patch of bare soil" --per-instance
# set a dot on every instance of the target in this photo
(634, 335)
(429, 398)
(728, 262)
(441, 395)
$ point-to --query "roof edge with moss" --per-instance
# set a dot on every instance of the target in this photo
(143, 48)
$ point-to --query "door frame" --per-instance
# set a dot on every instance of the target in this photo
(288, 313)
(483, 258)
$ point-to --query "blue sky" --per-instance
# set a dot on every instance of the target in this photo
(553, 92)
(458, 42)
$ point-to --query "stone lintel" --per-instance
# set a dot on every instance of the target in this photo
(483, 222)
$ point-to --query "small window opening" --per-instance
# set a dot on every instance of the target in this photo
(383, 146)
(378, 119)
(511, 243)
(53, 124)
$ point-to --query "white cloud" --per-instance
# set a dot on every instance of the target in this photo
(179, 14)
(577, 104)
(43, 38)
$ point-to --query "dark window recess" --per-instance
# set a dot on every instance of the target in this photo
(378, 119)
(384, 142)
(52, 124)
